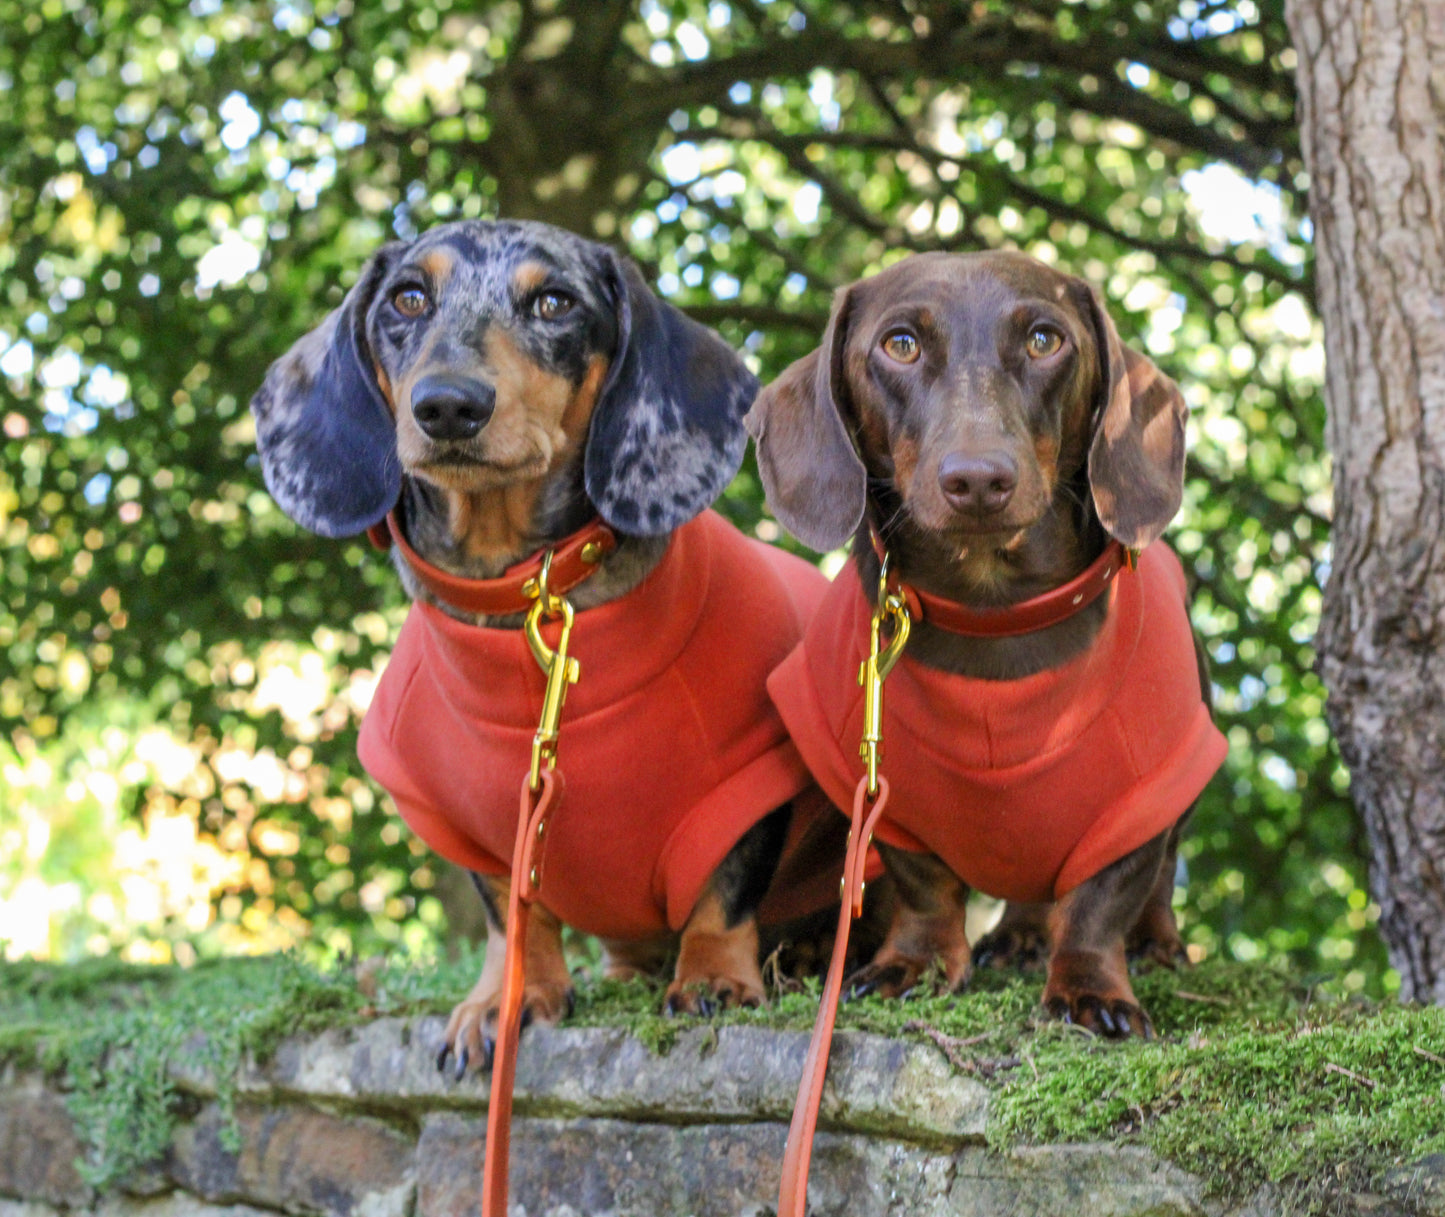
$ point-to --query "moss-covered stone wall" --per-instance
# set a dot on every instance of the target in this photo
(271, 1087)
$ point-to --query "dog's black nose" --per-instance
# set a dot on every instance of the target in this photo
(980, 485)
(452, 407)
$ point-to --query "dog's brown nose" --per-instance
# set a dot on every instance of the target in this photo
(979, 485)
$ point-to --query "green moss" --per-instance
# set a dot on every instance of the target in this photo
(1257, 1075)
(1243, 1087)
(109, 1030)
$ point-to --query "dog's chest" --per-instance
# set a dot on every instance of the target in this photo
(1024, 787)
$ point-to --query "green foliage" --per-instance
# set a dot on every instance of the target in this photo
(185, 188)
(112, 1030)
(1258, 1075)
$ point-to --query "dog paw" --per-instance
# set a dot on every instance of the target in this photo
(1023, 947)
(1101, 1008)
(1090, 988)
(894, 974)
(706, 995)
(471, 1034)
(893, 978)
(1112, 1017)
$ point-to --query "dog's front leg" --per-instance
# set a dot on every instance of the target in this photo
(472, 1028)
(1155, 937)
(718, 962)
(928, 925)
(1088, 980)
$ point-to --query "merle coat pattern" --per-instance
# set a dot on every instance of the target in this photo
(499, 384)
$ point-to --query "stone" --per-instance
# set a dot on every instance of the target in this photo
(356, 1122)
(875, 1084)
(602, 1168)
(1100, 1180)
(26, 1208)
(607, 1168)
(176, 1205)
(299, 1159)
(1420, 1185)
(39, 1147)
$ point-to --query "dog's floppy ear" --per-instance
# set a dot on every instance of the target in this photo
(326, 435)
(815, 482)
(1136, 459)
(666, 436)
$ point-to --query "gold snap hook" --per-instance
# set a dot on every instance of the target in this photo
(559, 668)
(893, 609)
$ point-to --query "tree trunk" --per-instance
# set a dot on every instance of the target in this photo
(1372, 84)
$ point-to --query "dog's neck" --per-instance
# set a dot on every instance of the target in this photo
(993, 572)
(481, 534)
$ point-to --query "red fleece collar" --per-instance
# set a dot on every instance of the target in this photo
(574, 559)
(1037, 613)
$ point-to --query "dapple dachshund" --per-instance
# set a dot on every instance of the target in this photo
(489, 391)
(1047, 731)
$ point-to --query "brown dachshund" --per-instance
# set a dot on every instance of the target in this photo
(978, 418)
(491, 390)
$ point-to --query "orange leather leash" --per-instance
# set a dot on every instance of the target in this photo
(798, 1154)
(530, 829)
(869, 800)
(541, 788)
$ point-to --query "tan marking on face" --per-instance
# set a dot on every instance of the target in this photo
(539, 423)
(529, 277)
(438, 264)
(578, 417)
(905, 465)
(1046, 455)
(384, 383)
(872, 426)
(526, 427)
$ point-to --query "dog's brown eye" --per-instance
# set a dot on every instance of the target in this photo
(551, 305)
(410, 302)
(901, 346)
(1044, 342)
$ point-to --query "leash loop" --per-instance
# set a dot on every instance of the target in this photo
(869, 800)
(541, 787)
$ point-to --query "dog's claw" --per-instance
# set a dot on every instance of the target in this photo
(1112, 1018)
(489, 1049)
(445, 1052)
(460, 1071)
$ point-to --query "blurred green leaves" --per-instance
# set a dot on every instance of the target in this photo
(187, 187)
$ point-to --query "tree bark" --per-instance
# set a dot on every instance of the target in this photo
(1371, 79)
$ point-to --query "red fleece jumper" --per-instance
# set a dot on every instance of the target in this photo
(1025, 788)
(669, 748)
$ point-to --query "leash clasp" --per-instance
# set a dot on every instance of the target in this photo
(560, 669)
(882, 656)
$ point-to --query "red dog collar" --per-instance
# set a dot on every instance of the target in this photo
(1037, 613)
(573, 559)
